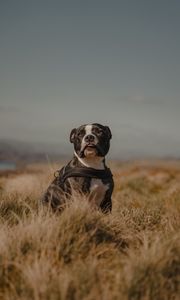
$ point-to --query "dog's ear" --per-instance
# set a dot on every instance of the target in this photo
(72, 135)
(108, 132)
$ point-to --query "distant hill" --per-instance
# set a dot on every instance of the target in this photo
(12, 150)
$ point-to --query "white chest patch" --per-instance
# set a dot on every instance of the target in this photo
(97, 191)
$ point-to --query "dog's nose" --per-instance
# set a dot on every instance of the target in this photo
(89, 138)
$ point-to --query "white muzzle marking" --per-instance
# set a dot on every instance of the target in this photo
(88, 130)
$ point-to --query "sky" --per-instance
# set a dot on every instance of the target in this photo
(67, 63)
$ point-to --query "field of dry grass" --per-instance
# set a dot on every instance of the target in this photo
(134, 253)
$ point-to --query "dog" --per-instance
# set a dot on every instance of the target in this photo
(87, 172)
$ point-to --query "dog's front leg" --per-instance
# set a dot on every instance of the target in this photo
(54, 197)
(106, 204)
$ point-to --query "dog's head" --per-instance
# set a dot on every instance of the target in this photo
(91, 140)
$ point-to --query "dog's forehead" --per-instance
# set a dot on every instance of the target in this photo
(82, 127)
(88, 126)
(92, 124)
(95, 125)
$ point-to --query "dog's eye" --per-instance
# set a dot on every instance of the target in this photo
(80, 133)
(98, 131)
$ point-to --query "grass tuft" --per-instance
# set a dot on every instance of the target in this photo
(131, 254)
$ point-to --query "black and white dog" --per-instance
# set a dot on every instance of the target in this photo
(87, 172)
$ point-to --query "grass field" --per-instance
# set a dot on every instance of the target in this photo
(134, 253)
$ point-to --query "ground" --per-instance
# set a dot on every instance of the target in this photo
(133, 253)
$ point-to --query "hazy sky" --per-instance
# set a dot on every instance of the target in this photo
(64, 63)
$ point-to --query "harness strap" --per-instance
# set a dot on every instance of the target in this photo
(86, 172)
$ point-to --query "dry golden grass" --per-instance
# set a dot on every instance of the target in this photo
(134, 253)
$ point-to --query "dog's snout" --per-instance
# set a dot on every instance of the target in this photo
(89, 138)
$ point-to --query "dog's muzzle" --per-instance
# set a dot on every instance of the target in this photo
(86, 146)
(99, 150)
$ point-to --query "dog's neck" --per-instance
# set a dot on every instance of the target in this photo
(97, 162)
